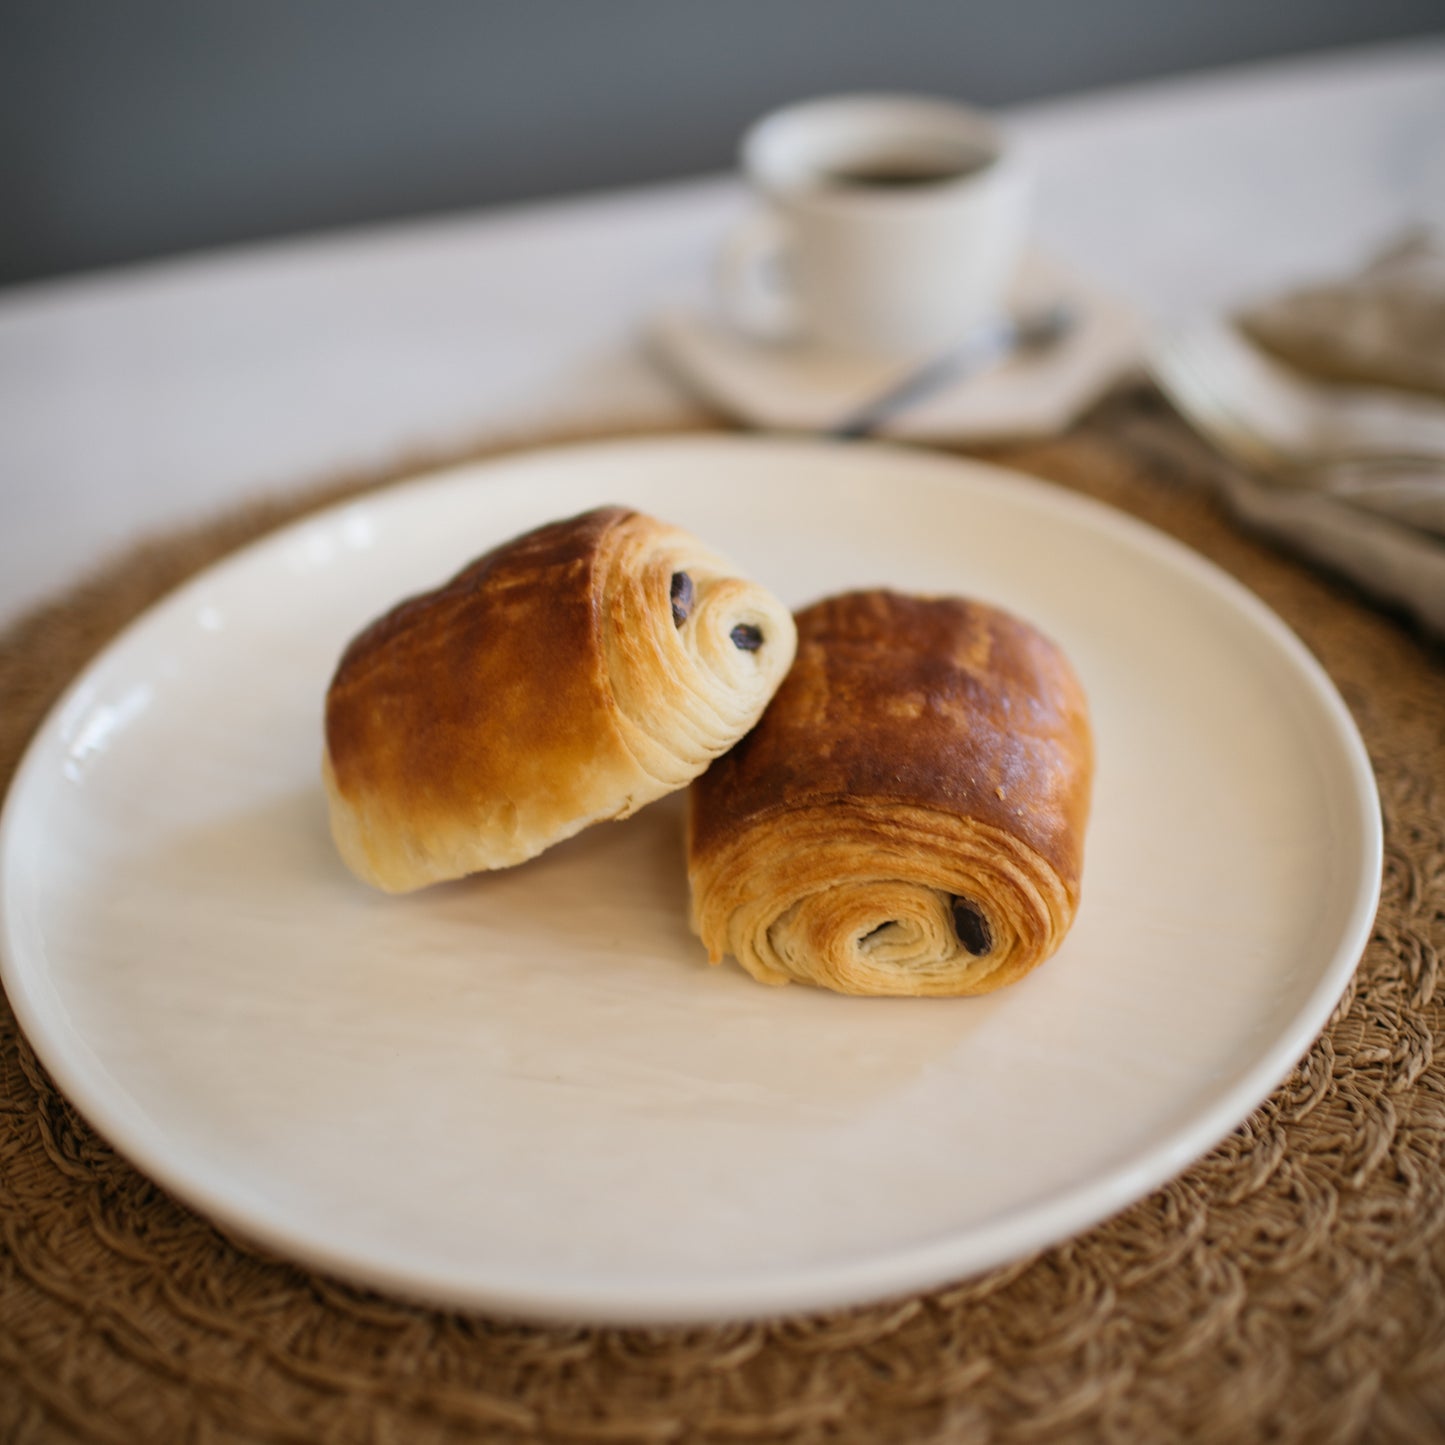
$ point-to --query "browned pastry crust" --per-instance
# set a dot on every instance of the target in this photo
(550, 684)
(908, 817)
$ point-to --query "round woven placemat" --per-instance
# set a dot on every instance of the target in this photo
(1290, 1286)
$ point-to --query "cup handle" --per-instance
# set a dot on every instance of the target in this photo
(754, 281)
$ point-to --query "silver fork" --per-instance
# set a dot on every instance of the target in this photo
(1379, 453)
(1282, 418)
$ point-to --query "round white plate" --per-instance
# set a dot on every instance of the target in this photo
(528, 1091)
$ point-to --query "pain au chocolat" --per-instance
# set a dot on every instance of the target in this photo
(908, 817)
(571, 675)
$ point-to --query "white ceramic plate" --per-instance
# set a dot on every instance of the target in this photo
(528, 1092)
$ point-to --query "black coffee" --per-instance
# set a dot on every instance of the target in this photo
(894, 177)
(904, 172)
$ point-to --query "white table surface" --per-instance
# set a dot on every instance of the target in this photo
(144, 397)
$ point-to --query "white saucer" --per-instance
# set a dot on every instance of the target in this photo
(795, 386)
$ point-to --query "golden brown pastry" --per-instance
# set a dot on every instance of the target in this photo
(908, 817)
(571, 675)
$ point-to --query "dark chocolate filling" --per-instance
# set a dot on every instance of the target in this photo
(746, 637)
(681, 594)
(971, 927)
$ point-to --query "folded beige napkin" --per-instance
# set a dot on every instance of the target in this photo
(1382, 328)
(1402, 566)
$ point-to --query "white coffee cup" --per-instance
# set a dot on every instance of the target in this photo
(890, 225)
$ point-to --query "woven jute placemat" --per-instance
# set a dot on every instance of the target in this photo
(1290, 1286)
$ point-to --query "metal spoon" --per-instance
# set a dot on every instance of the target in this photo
(983, 346)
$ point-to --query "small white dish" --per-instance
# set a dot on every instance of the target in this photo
(793, 386)
(527, 1092)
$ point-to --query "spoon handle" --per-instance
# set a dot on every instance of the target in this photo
(982, 347)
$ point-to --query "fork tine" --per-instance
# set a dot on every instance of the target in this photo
(1303, 421)
(1187, 385)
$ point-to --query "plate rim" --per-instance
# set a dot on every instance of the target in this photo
(606, 1299)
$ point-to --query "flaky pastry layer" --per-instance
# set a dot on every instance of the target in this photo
(908, 816)
(564, 678)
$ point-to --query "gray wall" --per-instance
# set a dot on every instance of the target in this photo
(135, 128)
